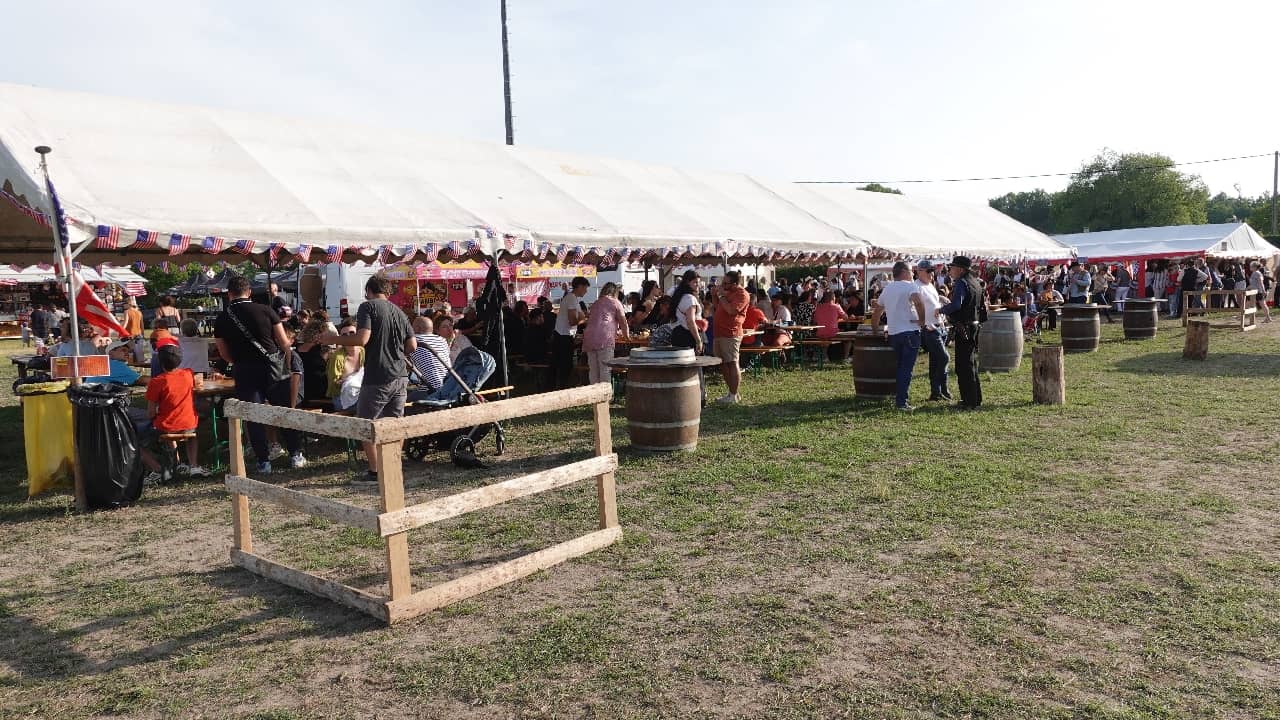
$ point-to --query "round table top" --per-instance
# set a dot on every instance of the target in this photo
(699, 361)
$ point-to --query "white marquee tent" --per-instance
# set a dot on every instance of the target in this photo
(146, 176)
(1225, 240)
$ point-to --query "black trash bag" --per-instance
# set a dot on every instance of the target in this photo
(107, 448)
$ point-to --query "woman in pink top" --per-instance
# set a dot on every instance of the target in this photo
(828, 314)
(604, 322)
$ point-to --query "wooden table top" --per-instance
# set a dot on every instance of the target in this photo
(212, 388)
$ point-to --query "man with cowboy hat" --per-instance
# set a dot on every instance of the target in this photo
(966, 310)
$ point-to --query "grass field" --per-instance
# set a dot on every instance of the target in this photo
(1117, 557)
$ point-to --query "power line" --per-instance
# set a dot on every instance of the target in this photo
(1027, 177)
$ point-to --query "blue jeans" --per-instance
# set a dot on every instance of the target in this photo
(907, 346)
(935, 343)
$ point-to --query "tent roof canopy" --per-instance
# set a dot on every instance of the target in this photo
(1225, 240)
(146, 175)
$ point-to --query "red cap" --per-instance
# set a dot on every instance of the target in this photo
(166, 342)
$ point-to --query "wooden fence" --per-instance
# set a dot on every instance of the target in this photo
(394, 521)
(1246, 310)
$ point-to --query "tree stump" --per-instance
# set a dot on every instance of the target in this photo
(1048, 381)
(1197, 344)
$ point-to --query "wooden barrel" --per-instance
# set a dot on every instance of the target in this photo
(1141, 318)
(875, 367)
(1000, 342)
(1081, 327)
(664, 405)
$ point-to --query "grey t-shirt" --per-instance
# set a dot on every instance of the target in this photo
(388, 328)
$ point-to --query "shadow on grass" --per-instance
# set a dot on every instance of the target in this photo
(39, 652)
(1217, 365)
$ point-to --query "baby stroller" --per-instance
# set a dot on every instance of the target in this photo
(466, 376)
(1031, 324)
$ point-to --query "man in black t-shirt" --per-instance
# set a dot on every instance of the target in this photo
(246, 334)
(384, 332)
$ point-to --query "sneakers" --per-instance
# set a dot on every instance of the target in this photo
(296, 461)
(183, 469)
(369, 478)
(904, 408)
(729, 399)
(197, 471)
(152, 478)
(264, 468)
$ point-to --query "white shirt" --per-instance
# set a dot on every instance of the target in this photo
(782, 314)
(896, 300)
(567, 303)
(1256, 281)
(932, 302)
(682, 314)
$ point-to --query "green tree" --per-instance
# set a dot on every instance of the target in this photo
(877, 187)
(1117, 191)
(1033, 208)
(1223, 207)
(1260, 217)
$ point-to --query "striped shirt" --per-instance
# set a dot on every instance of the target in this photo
(428, 365)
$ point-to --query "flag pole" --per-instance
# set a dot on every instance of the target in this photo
(61, 248)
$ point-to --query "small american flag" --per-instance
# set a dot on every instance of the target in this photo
(244, 247)
(611, 256)
(141, 266)
(473, 246)
(213, 244)
(455, 247)
(108, 238)
(303, 253)
(273, 251)
(164, 266)
(333, 254)
(147, 239)
(382, 254)
(134, 288)
(178, 244)
(430, 252)
(30, 212)
(543, 249)
(562, 252)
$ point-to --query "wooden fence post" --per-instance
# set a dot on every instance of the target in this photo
(1197, 344)
(1048, 379)
(606, 488)
(242, 532)
(391, 488)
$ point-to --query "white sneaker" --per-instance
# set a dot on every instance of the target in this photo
(275, 451)
(198, 471)
(183, 469)
(297, 461)
(729, 399)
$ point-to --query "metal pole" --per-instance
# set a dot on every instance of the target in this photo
(1275, 188)
(506, 76)
(60, 249)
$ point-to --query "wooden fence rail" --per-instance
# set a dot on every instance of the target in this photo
(393, 520)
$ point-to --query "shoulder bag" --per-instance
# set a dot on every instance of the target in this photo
(276, 369)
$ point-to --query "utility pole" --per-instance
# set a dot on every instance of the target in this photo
(506, 79)
(1275, 186)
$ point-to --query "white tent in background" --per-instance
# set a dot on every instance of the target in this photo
(916, 226)
(1225, 240)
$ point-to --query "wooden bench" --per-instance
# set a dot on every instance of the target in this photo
(757, 355)
(817, 349)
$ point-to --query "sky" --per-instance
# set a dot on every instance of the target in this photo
(802, 90)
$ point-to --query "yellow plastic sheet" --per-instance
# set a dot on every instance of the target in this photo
(50, 443)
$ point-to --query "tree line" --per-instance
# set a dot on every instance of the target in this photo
(1115, 191)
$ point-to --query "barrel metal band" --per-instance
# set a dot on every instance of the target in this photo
(662, 426)
(662, 386)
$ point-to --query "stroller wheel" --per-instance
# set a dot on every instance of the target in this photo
(463, 445)
(416, 448)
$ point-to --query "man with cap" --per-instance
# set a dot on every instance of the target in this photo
(934, 336)
(119, 353)
(966, 310)
(900, 302)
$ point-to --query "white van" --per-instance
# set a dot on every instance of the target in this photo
(344, 287)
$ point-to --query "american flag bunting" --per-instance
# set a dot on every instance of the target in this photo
(213, 244)
(333, 254)
(108, 238)
(244, 247)
(147, 239)
(303, 253)
(178, 244)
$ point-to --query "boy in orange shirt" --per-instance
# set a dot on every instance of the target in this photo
(171, 405)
